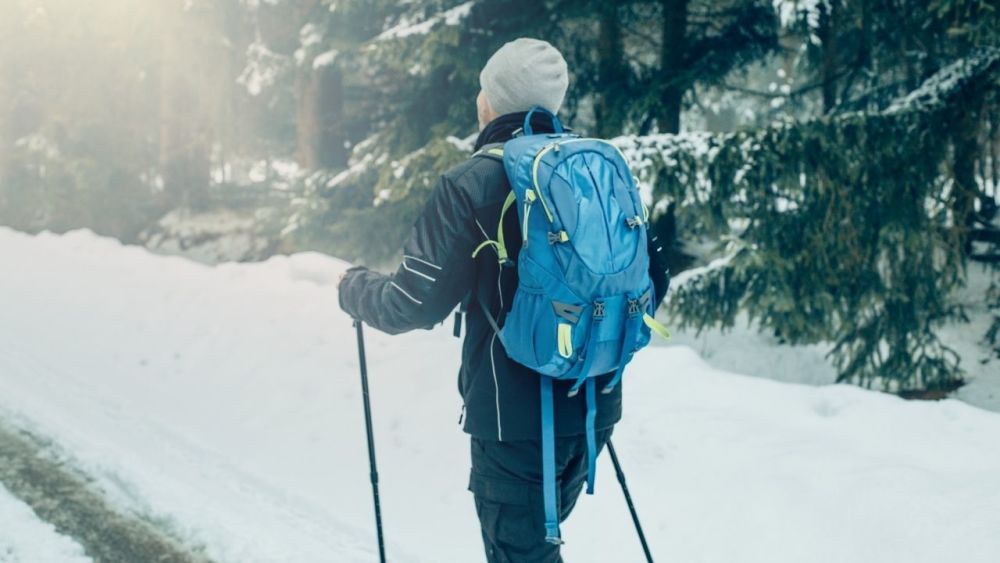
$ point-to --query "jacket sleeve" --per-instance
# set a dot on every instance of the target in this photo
(659, 271)
(436, 272)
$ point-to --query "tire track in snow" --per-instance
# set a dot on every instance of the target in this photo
(61, 496)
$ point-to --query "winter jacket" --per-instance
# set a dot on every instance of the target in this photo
(501, 397)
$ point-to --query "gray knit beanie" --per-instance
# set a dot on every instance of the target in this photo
(525, 73)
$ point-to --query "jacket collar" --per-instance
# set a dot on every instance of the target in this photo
(502, 129)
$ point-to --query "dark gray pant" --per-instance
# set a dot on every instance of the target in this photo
(506, 482)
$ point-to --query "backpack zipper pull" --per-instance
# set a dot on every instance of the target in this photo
(529, 199)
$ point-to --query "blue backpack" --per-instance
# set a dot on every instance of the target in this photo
(585, 301)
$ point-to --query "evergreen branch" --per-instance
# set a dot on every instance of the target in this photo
(792, 94)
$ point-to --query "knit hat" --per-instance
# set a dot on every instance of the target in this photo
(525, 73)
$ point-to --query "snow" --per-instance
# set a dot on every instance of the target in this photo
(945, 82)
(224, 402)
(325, 58)
(808, 11)
(467, 144)
(254, 4)
(208, 236)
(651, 155)
(687, 276)
(727, 349)
(692, 153)
(26, 539)
(406, 27)
(381, 197)
(40, 145)
(262, 69)
(981, 364)
(362, 158)
(309, 35)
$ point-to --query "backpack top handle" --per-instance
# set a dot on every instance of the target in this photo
(527, 120)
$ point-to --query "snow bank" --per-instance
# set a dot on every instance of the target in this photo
(26, 539)
(225, 401)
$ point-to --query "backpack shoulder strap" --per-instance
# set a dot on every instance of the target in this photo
(493, 151)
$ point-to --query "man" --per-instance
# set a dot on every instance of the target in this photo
(501, 398)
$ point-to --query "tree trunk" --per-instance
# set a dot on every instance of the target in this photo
(966, 128)
(320, 118)
(184, 129)
(828, 38)
(609, 111)
(673, 54)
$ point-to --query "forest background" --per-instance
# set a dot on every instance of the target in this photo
(824, 169)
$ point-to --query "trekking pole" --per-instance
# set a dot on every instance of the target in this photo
(628, 499)
(371, 438)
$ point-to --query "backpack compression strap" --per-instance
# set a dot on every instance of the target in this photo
(549, 455)
(549, 464)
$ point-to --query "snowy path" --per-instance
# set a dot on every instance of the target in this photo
(26, 539)
(66, 501)
(223, 404)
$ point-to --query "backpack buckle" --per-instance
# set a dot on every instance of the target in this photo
(561, 236)
(634, 222)
(598, 310)
(633, 307)
(570, 313)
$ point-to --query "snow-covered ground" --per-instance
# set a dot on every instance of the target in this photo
(26, 539)
(745, 350)
(224, 402)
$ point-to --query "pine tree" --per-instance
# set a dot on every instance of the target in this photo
(834, 230)
(417, 78)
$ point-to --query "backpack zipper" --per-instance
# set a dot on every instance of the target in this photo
(555, 146)
(534, 175)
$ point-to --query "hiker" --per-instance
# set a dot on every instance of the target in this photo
(438, 272)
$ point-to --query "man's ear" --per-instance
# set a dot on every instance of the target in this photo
(484, 112)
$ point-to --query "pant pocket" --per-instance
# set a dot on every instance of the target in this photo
(514, 533)
(512, 519)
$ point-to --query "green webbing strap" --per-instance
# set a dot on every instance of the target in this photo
(656, 326)
(501, 247)
(483, 245)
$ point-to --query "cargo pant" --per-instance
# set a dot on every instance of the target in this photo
(506, 483)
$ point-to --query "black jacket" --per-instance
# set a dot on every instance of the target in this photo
(437, 272)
